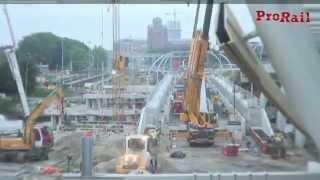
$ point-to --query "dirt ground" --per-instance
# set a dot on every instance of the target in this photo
(106, 148)
(211, 159)
(198, 159)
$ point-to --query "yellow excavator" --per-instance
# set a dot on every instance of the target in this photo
(35, 141)
(200, 126)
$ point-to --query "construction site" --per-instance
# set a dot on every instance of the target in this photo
(223, 104)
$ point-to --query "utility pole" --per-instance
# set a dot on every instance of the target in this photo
(71, 68)
(62, 61)
(102, 28)
(234, 100)
(102, 77)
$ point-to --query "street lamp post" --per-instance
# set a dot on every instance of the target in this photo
(62, 62)
(234, 100)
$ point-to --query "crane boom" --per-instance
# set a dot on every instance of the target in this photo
(14, 67)
(200, 126)
(195, 74)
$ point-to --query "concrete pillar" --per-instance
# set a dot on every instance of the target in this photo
(76, 119)
(60, 119)
(99, 103)
(53, 122)
(87, 103)
(86, 164)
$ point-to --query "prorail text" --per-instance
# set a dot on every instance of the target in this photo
(283, 17)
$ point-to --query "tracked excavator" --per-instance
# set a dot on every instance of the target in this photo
(35, 141)
(200, 125)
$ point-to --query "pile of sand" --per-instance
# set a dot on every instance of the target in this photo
(68, 145)
(106, 150)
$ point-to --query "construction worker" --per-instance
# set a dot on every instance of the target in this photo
(277, 147)
(216, 99)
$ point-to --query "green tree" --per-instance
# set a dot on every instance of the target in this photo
(28, 73)
(100, 56)
(41, 48)
(70, 49)
(6, 79)
(46, 48)
(80, 58)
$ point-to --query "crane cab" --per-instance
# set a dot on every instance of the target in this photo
(43, 137)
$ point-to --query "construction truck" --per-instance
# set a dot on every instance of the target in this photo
(137, 157)
(35, 141)
(200, 125)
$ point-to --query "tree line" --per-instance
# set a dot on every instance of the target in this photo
(47, 48)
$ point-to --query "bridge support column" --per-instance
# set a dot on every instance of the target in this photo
(60, 119)
(53, 121)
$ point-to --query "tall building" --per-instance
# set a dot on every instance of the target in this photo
(157, 35)
(174, 30)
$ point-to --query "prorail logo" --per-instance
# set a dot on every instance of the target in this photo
(283, 17)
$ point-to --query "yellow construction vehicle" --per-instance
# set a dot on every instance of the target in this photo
(200, 126)
(137, 157)
(121, 63)
(35, 141)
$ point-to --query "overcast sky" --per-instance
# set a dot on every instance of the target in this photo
(84, 22)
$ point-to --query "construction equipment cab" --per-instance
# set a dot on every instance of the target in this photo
(35, 141)
(43, 136)
(200, 126)
(137, 158)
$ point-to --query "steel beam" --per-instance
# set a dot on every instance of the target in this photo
(295, 57)
(238, 51)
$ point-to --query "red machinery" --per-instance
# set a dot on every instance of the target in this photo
(231, 150)
(178, 102)
(261, 138)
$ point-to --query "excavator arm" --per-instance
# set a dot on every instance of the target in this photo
(56, 96)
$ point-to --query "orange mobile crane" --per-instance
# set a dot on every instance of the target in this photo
(200, 127)
(34, 144)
